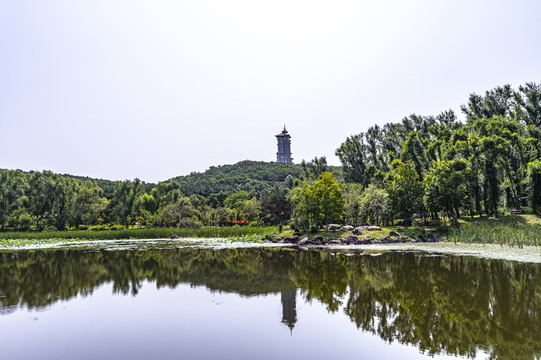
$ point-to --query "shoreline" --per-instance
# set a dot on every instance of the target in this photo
(526, 254)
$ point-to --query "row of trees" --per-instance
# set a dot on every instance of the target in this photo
(45, 200)
(433, 165)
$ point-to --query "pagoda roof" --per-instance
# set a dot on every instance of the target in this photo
(284, 132)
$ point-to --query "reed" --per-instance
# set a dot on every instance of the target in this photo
(504, 233)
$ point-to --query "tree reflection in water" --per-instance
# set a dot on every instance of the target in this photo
(443, 304)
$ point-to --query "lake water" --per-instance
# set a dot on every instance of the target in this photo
(237, 302)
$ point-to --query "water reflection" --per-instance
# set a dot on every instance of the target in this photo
(445, 304)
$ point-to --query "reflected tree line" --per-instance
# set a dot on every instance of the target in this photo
(444, 304)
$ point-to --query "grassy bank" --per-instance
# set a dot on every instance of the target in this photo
(514, 230)
(141, 233)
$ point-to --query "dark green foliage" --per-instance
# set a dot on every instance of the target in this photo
(534, 177)
(12, 189)
(108, 186)
(351, 155)
(529, 100)
(314, 168)
(124, 202)
(406, 191)
(496, 102)
(445, 187)
(250, 176)
(275, 206)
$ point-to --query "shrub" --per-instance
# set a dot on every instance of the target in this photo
(190, 223)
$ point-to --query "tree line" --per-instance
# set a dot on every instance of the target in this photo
(434, 166)
(245, 193)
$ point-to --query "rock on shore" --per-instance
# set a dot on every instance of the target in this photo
(392, 238)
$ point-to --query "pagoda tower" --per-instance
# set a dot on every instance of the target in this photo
(284, 147)
(289, 308)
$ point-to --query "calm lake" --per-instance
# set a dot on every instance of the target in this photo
(265, 303)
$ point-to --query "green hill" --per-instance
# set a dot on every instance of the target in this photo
(245, 175)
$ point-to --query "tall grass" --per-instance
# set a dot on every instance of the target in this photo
(145, 233)
(504, 233)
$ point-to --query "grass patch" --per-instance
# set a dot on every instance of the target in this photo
(514, 230)
(144, 233)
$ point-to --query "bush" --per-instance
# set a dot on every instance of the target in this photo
(190, 223)
(418, 232)
(442, 230)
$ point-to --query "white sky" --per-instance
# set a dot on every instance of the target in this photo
(156, 89)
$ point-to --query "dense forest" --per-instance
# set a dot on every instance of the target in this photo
(243, 193)
(425, 167)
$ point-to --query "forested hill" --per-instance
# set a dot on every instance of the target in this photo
(249, 175)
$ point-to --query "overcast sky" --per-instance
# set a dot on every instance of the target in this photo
(156, 89)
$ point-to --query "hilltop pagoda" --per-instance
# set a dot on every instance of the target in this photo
(284, 147)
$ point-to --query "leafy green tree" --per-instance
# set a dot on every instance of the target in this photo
(329, 196)
(496, 102)
(170, 215)
(86, 203)
(466, 146)
(125, 200)
(445, 187)
(528, 98)
(148, 203)
(534, 177)
(304, 205)
(351, 154)
(235, 200)
(274, 205)
(414, 151)
(20, 220)
(49, 196)
(492, 148)
(222, 216)
(216, 200)
(251, 210)
(315, 167)
(352, 204)
(405, 191)
(13, 186)
(375, 206)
